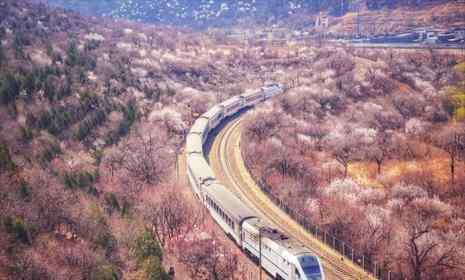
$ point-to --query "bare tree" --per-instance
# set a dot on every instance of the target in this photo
(427, 252)
(452, 140)
(344, 153)
(209, 259)
(171, 216)
(147, 158)
(114, 158)
(380, 150)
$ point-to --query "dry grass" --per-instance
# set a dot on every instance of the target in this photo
(365, 173)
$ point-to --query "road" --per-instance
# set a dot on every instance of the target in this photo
(226, 160)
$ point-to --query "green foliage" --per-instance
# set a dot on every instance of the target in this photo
(50, 89)
(72, 54)
(50, 153)
(77, 58)
(2, 55)
(10, 88)
(6, 163)
(460, 67)
(91, 45)
(17, 228)
(130, 116)
(105, 239)
(454, 103)
(79, 180)
(58, 119)
(98, 156)
(19, 41)
(23, 191)
(154, 269)
(105, 272)
(95, 119)
(146, 246)
(26, 134)
(29, 82)
(112, 201)
(125, 209)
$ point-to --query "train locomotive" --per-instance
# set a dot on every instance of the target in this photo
(281, 256)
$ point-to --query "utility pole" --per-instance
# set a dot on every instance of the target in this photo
(177, 152)
(260, 251)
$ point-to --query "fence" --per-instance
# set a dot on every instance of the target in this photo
(345, 249)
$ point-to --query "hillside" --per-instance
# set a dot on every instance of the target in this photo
(92, 114)
(201, 13)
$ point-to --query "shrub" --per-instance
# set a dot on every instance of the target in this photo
(112, 201)
(72, 53)
(17, 228)
(9, 88)
(26, 134)
(91, 45)
(79, 180)
(6, 163)
(125, 208)
(23, 191)
(50, 153)
(2, 55)
(146, 246)
(105, 272)
(149, 255)
(154, 269)
(87, 126)
(130, 116)
(105, 239)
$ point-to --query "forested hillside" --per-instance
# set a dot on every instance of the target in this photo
(205, 13)
(92, 115)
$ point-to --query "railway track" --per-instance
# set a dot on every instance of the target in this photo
(226, 160)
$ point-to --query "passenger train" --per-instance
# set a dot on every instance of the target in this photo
(282, 257)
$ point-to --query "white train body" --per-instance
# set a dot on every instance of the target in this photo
(227, 210)
(281, 257)
(200, 174)
(214, 116)
(233, 105)
(253, 97)
(200, 127)
(272, 90)
(194, 144)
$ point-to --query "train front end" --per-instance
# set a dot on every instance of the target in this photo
(309, 267)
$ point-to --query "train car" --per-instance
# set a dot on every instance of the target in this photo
(199, 172)
(194, 144)
(232, 105)
(281, 256)
(201, 128)
(227, 210)
(272, 90)
(251, 98)
(214, 116)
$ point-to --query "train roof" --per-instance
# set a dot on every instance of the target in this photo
(250, 93)
(199, 167)
(231, 101)
(213, 111)
(199, 126)
(280, 240)
(229, 202)
(194, 143)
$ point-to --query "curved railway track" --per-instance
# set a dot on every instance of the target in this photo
(226, 160)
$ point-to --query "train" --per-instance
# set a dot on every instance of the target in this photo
(283, 257)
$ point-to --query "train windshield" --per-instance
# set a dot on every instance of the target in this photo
(311, 267)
